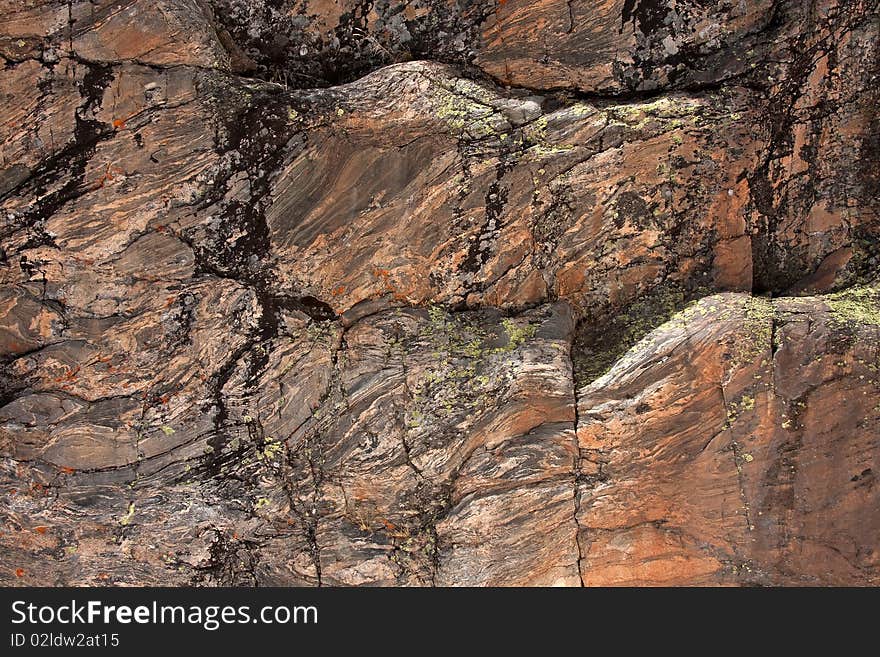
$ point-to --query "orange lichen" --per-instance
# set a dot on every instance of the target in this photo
(107, 176)
(69, 375)
(119, 124)
(385, 275)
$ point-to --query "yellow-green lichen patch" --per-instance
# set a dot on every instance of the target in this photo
(540, 145)
(667, 112)
(468, 362)
(756, 337)
(602, 341)
(517, 334)
(856, 306)
(464, 108)
(536, 131)
(129, 516)
(272, 449)
(737, 408)
(580, 110)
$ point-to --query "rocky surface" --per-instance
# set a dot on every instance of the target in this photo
(439, 292)
(736, 443)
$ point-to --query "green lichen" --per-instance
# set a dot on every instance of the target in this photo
(581, 110)
(668, 110)
(467, 362)
(462, 113)
(736, 408)
(542, 147)
(757, 331)
(517, 334)
(129, 516)
(601, 342)
(536, 131)
(856, 306)
(272, 449)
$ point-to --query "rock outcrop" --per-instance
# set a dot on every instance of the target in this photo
(737, 443)
(440, 292)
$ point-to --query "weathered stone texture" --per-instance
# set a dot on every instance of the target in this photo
(445, 292)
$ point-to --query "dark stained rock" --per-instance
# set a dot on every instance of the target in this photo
(439, 293)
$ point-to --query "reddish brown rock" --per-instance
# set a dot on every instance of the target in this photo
(611, 45)
(159, 33)
(363, 320)
(736, 444)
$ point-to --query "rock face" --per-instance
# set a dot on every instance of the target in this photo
(447, 292)
(737, 443)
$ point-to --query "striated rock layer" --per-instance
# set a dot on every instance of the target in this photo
(440, 292)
